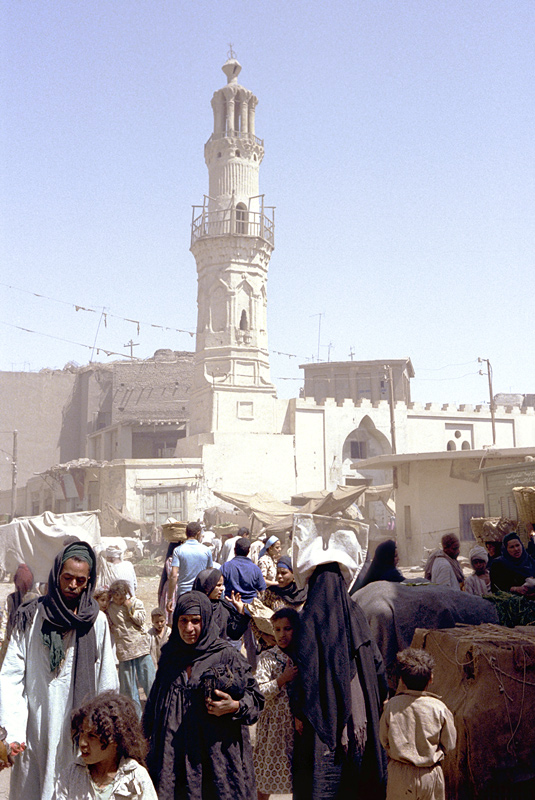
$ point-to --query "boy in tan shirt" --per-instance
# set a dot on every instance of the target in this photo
(416, 730)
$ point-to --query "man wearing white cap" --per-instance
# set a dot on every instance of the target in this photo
(112, 568)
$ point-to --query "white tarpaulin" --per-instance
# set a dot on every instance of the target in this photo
(321, 540)
(36, 541)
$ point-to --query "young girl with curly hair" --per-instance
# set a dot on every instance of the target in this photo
(112, 750)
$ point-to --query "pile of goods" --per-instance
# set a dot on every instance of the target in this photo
(486, 676)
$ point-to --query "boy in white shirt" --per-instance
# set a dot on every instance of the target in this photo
(416, 730)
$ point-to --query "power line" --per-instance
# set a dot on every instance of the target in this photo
(446, 366)
(458, 378)
(69, 341)
(105, 314)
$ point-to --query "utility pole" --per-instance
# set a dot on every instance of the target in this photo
(320, 315)
(491, 395)
(131, 344)
(14, 476)
(390, 379)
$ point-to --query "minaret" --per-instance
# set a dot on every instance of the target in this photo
(232, 239)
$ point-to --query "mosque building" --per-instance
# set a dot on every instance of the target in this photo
(231, 432)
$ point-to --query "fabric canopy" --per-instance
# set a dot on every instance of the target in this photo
(264, 507)
(36, 541)
(278, 517)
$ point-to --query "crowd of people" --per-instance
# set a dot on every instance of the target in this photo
(312, 677)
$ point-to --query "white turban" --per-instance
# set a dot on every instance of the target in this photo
(479, 552)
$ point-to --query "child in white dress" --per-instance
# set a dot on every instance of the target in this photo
(275, 727)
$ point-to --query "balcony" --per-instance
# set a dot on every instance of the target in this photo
(236, 135)
(233, 222)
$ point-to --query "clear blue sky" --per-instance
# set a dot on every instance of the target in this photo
(399, 154)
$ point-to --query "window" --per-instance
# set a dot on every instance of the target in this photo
(241, 218)
(466, 512)
(451, 445)
(358, 449)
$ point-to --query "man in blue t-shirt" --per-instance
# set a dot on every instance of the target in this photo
(188, 560)
(242, 575)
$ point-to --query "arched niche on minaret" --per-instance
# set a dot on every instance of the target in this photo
(245, 318)
(219, 309)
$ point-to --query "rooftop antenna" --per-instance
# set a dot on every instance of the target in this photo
(351, 353)
(320, 315)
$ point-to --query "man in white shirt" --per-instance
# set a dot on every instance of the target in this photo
(227, 551)
(442, 567)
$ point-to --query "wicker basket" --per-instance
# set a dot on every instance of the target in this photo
(525, 502)
(493, 529)
(226, 529)
(174, 531)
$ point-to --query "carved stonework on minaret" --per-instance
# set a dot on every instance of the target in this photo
(232, 241)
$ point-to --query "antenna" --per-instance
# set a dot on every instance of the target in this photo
(320, 315)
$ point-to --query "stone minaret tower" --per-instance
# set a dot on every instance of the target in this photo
(232, 239)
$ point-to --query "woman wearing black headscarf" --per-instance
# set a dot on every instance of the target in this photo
(197, 714)
(338, 697)
(285, 593)
(384, 564)
(228, 615)
(511, 569)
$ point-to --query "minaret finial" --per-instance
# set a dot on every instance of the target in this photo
(231, 53)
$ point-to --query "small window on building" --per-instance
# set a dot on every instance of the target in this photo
(245, 410)
(243, 321)
(451, 445)
(457, 434)
(465, 446)
(358, 449)
(238, 153)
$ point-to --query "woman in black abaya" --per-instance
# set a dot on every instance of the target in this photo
(228, 615)
(202, 700)
(338, 697)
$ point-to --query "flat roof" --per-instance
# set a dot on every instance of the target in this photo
(389, 460)
(380, 362)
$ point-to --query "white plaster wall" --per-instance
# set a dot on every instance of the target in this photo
(121, 480)
(250, 463)
(310, 449)
(434, 498)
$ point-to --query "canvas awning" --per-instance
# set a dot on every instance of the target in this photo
(278, 516)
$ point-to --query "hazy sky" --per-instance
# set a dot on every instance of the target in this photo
(399, 156)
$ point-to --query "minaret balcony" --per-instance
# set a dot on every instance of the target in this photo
(230, 134)
(233, 222)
